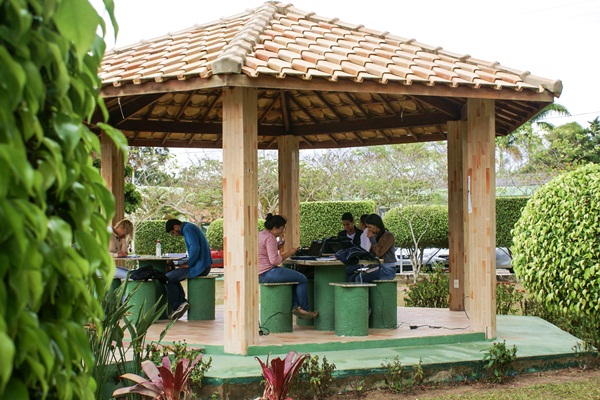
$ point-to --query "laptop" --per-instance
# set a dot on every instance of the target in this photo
(322, 248)
(313, 251)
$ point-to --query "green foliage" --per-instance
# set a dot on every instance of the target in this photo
(180, 351)
(556, 244)
(214, 233)
(321, 219)
(111, 349)
(430, 290)
(508, 212)
(148, 232)
(314, 380)
(133, 198)
(497, 360)
(424, 225)
(508, 298)
(393, 374)
(51, 197)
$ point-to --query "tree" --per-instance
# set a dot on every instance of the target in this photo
(147, 166)
(54, 205)
(569, 146)
(556, 241)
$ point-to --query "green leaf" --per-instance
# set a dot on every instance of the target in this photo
(73, 20)
(12, 80)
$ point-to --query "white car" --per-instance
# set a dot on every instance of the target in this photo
(441, 256)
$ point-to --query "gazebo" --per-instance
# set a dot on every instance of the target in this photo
(276, 77)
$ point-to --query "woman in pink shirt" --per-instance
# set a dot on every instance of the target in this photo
(269, 270)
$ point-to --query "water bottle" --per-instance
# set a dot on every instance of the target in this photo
(158, 249)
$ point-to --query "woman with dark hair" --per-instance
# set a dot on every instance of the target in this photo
(269, 270)
(382, 246)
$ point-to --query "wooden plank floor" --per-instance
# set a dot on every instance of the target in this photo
(430, 322)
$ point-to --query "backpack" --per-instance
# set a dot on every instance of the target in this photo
(353, 255)
(147, 272)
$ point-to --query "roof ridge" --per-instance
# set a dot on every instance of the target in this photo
(234, 54)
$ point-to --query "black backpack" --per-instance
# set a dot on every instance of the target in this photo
(147, 272)
(353, 255)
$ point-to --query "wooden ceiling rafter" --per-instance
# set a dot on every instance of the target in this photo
(284, 111)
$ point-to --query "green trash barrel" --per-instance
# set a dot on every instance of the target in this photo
(201, 296)
(276, 306)
(351, 308)
(383, 300)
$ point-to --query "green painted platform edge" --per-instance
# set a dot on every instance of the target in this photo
(550, 363)
(367, 344)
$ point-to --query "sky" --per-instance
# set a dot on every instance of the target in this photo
(553, 39)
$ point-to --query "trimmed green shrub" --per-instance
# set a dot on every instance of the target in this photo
(429, 224)
(214, 233)
(556, 244)
(148, 232)
(320, 219)
(508, 212)
(54, 205)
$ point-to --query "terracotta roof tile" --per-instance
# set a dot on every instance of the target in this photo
(279, 40)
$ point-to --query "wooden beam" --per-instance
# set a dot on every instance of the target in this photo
(329, 128)
(289, 188)
(481, 215)
(457, 213)
(112, 167)
(240, 219)
(321, 84)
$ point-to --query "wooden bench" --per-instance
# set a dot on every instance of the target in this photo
(276, 306)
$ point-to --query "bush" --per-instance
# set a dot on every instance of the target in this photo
(54, 205)
(148, 232)
(320, 219)
(429, 225)
(430, 290)
(214, 233)
(556, 243)
(508, 212)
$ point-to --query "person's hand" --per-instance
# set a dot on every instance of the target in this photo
(369, 234)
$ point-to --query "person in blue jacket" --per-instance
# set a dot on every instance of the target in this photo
(198, 264)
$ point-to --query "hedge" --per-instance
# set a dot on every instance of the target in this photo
(320, 219)
(508, 212)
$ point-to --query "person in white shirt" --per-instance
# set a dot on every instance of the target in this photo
(365, 243)
(350, 231)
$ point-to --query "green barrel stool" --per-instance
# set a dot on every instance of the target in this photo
(201, 296)
(352, 308)
(114, 285)
(276, 306)
(311, 305)
(143, 296)
(383, 300)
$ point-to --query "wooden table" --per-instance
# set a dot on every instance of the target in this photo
(158, 263)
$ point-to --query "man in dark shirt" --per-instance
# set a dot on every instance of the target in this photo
(198, 264)
(350, 231)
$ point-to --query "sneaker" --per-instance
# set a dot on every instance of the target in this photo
(183, 307)
(303, 314)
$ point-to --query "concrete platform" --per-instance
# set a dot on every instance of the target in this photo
(443, 343)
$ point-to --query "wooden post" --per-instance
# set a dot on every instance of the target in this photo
(240, 219)
(289, 183)
(112, 166)
(457, 213)
(481, 212)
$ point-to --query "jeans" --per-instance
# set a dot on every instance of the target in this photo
(175, 293)
(280, 274)
(384, 272)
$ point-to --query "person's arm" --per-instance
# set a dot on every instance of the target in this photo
(383, 245)
(192, 245)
